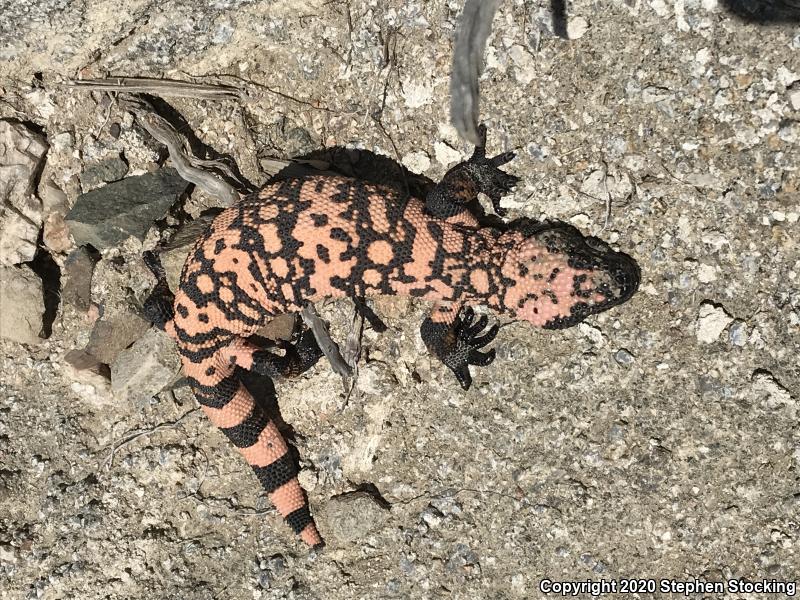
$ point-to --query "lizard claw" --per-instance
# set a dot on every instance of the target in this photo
(490, 179)
(467, 346)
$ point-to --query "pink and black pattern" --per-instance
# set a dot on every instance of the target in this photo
(300, 240)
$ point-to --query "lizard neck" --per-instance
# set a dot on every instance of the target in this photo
(475, 274)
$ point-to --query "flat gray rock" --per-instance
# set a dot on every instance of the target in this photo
(108, 216)
(109, 169)
(77, 288)
(111, 336)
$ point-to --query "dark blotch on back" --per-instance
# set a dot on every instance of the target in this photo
(339, 234)
(323, 254)
(319, 220)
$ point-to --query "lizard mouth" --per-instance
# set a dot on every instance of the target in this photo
(622, 268)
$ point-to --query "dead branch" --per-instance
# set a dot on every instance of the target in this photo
(158, 87)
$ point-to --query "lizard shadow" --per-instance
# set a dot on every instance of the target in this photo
(761, 12)
(765, 12)
(376, 169)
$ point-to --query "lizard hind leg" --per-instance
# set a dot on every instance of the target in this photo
(159, 306)
(232, 408)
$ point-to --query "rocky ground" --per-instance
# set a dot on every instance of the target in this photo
(659, 439)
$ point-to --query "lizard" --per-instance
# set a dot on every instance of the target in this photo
(300, 240)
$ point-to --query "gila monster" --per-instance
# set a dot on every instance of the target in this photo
(300, 240)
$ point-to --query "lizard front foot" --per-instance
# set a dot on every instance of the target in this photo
(490, 180)
(458, 344)
(461, 185)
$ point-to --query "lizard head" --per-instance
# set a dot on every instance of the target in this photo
(554, 277)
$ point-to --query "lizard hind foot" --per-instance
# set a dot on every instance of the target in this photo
(158, 307)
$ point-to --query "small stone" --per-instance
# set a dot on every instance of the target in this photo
(372, 379)
(21, 157)
(85, 369)
(8, 554)
(22, 303)
(417, 162)
(595, 185)
(445, 155)
(63, 142)
(42, 101)
(524, 64)
(352, 516)
(417, 94)
(448, 133)
(623, 357)
(279, 328)
(593, 334)
(55, 206)
(577, 27)
(790, 132)
(104, 171)
(660, 7)
(77, 287)
(711, 322)
(702, 180)
(794, 98)
(106, 217)
(776, 394)
(111, 336)
(702, 56)
(432, 517)
(706, 273)
(787, 77)
(145, 368)
(737, 334)
(581, 221)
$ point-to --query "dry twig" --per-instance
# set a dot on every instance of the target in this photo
(185, 164)
(326, 344)
(143, 432)
(475, 24)
(158, 87)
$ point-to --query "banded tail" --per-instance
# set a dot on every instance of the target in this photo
(233, 409)
(211, 370)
